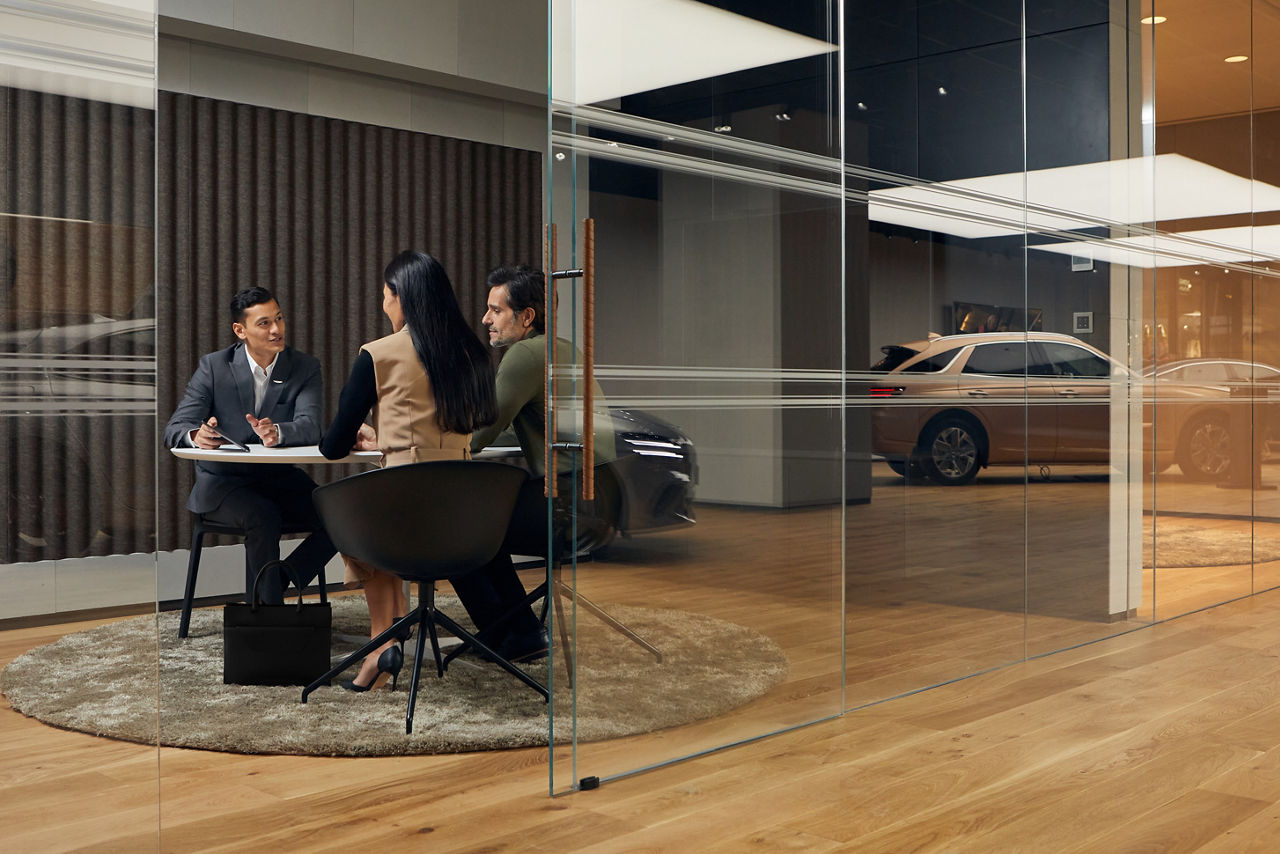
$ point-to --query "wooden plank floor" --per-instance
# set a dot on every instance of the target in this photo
(1165, 739)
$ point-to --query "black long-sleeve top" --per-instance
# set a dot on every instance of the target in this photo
(357, 398)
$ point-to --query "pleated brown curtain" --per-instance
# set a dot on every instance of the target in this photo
(313, 208)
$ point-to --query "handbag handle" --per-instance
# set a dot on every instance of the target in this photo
(272, 564)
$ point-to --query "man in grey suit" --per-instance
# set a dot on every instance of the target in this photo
(256, 391)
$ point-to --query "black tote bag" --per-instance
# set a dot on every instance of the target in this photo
(275, 644)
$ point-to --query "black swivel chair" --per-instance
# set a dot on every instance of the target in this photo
(423, 522)
(203, 526)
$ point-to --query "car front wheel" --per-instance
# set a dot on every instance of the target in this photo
(1204, 449)
(949, 451)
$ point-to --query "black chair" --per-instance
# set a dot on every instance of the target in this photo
(199, 528)
(423, 522)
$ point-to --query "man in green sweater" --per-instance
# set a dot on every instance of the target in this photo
(515, 322)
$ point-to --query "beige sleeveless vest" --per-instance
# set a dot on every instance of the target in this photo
(405, 414)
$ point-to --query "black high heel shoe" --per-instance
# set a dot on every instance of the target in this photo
(406, 631)
(390, 661)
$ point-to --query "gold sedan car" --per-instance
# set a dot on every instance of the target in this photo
(955, 404)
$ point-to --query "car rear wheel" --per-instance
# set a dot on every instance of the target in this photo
(949, 451)
(1204, 448)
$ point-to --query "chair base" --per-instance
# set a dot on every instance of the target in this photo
(426, 617)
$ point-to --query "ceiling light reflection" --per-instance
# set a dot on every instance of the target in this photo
(1237, 245)
(1141, 189)
(614, 45)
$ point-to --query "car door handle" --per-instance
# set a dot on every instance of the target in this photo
(977, 392)
(1068, 392)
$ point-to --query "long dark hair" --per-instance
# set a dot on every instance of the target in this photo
(457, 364)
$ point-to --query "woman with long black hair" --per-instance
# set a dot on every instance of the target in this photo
(430, 384)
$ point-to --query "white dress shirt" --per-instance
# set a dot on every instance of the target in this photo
(261, 379)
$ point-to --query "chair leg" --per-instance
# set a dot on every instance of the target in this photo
(435, 644)
(383, 637)
(579, 599)
(611, 622)
(532, 596)
(459, 632)
(193, 568)
(426, 617)
(556, 586)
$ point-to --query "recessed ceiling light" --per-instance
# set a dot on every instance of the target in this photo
(1239, 57)
(861, 106)
(942, 90)
(1154, 19)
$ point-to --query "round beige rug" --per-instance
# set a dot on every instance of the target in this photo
(104, 681)
(1188, 542)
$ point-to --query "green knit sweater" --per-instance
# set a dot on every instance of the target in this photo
(522, 404)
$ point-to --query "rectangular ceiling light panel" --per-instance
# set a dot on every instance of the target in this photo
(604, 49)
(1116, 192)
(1214, 246)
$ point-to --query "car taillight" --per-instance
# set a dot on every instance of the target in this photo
(885, 391)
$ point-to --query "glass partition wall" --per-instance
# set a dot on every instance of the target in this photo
(77, 380)
(701, 196)
(918, 338)
(1209, 294)
(1074, 200)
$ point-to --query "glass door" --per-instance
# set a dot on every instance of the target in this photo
(696, 322)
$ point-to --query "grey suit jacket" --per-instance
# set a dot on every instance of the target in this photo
(223, 387)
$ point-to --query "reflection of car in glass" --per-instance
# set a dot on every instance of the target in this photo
(108, 365)
(79, 407)
(648, 487)
(1197, 391)
(79, 402)
(657, 471)
(958, 403)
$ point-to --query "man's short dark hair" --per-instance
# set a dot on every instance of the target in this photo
(526, 288)
(246, 299)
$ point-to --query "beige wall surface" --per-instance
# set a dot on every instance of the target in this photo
(474, 70)
(216, 71)
(489, 41)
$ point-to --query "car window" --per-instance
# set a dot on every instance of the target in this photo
(1039, 364)
(1202, 372)
(894, 355)
(1262, 373)
(933, 363)
(1069, 360)
(1006, 359)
